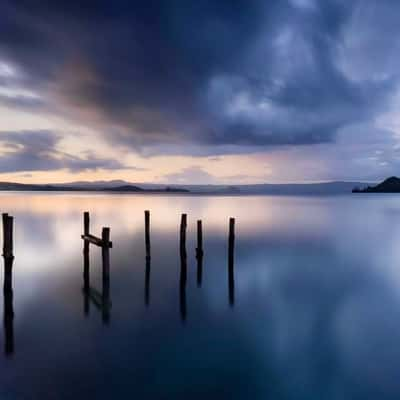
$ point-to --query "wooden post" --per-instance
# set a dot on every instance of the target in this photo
(183, 275)
(86, 223)
(199, 253)
(147, 233)
(7, 235)
(86, 230)
(199, 249)
(105, 250)
(183, 236)
(4, 218)
(148, 257)
(231, 278)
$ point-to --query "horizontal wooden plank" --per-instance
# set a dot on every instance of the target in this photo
(97, 241)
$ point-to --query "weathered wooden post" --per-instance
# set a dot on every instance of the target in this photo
(148, 257)
(183, 274)
(86, 231)
(105, 251)
(4, 219)
(199, 249)
(8, 315)
(183, 236)
(199, 253)
(231, 278)
(7, 235)
(86, 223)
(147, 233)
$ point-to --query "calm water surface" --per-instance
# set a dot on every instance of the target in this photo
(316, 311)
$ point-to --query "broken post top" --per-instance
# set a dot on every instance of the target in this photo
(147, 218)
(104, 241)
(86, 222)
(7, 235)
(105, 234)
(231, 226)
(184, 220)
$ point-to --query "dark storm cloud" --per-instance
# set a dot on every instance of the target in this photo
(244, 73)
(38, 151)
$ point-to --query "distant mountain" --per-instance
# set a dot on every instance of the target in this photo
(389, 185)
(12, 186)
(133, 188)
(95, 184)
(336, 187)
(325, 188)
(125, 188)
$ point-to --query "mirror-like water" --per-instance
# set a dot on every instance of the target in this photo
(311, 309)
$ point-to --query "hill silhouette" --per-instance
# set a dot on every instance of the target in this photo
(389, 185)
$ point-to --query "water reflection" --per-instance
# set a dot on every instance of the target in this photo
(147, 283)
(86, 279)
(8, 308)
(182, 286)
(312, 277)
(199, 253)
(90, 294)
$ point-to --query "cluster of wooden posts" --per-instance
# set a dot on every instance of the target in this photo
(102, 299)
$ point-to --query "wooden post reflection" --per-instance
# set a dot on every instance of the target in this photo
(182, 291)
(147, 283)
(199, 253)
(8, 308)
(147, 232)
(86, 279)
(106, 301)
(105, 236)
(231, 278)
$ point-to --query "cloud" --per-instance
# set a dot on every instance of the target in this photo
(38, 151)
(226, 76)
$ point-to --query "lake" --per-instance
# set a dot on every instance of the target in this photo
(313, 311)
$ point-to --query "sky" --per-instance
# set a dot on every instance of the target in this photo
(199, 91)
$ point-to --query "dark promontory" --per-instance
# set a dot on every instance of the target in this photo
(389, 185)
